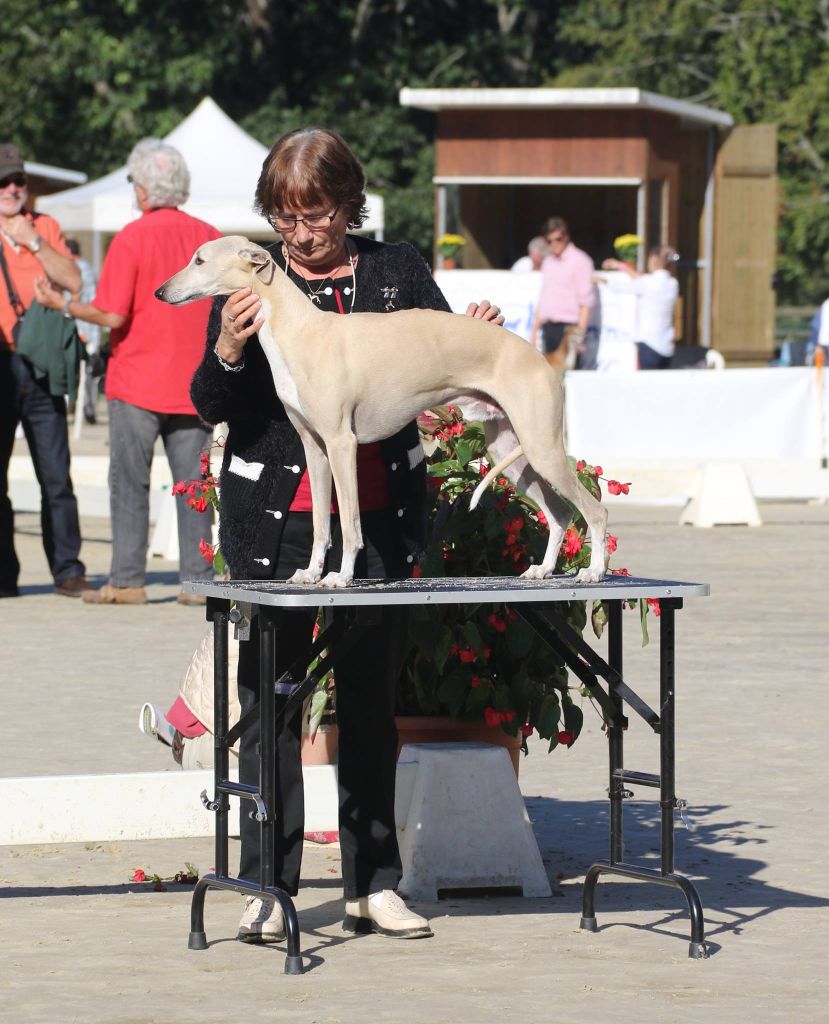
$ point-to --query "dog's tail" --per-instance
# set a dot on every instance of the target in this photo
(498, 468)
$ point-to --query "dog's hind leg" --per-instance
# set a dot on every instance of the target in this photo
(558, 515)
(556, 470)
(342, 454)
(319, 477)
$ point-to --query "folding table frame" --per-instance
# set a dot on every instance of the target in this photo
(238, 600)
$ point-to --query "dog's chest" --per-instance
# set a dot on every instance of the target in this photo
(283, 380)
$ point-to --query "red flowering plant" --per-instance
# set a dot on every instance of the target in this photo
(202, 496)
(484, 661)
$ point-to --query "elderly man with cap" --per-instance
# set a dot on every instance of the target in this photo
(32, 248)
(155, 350)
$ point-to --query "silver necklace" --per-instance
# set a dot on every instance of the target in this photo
(315, 293)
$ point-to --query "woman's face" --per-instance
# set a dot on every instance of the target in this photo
(318, 244)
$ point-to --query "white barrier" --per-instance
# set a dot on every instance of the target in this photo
(660, 429)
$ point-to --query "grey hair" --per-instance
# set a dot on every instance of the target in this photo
(161, 170)
(538, 244)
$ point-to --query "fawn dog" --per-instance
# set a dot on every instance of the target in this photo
(349, 380)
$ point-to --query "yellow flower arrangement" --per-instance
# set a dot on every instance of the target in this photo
(626, 246)
(449, 246)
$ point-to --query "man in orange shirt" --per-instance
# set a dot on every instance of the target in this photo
(32, 247)
(155, 350)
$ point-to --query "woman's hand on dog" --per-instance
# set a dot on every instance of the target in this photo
(240, 320)
(485, 310)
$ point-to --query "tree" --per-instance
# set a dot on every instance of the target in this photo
(759, 60)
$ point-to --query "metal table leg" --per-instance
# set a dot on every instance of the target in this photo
(263, 796)
(664, 781)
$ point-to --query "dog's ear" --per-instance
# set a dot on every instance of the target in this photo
(260, 261)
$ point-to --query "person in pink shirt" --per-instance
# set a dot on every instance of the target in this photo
(567, 295)
(155, 351)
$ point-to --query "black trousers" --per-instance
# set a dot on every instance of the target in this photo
(552, 335)
(27, 401)
(365, 682)
(649, 359)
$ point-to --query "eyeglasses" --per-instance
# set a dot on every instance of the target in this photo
(314, 222)
(20, 180)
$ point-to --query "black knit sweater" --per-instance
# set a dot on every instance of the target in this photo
(253, 512)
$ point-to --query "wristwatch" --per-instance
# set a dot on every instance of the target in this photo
(35, 245)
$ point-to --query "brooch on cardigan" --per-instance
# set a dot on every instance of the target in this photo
(390, 294)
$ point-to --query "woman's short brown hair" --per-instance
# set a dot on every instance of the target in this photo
(307, 168)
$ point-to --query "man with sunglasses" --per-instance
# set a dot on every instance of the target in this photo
(32, 248)
(567, 295)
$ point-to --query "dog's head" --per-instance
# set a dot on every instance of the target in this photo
(217, 268)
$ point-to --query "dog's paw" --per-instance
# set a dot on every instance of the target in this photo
(536, 572)
(336, 579)
(307, 576)
(589, 575)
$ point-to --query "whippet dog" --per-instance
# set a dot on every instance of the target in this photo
(389, 368)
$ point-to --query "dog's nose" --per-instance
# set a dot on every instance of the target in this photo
(159, 293)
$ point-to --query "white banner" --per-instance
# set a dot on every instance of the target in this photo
(765, 413)
(516, 294)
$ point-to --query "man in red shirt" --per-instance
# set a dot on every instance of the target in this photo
(31, 246)
(155, 349)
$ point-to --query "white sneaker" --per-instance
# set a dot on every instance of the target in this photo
(262, 921)
(386, 914)
(151, 722)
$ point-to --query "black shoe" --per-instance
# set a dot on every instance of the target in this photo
(73, 587)
(11, 591)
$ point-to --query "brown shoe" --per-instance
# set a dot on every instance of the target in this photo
(184, 598)
(107, 594)
(75, 586)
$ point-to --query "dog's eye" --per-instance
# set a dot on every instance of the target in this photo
(198, 261)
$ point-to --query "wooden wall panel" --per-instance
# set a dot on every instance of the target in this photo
(745, 245)
(555, 143)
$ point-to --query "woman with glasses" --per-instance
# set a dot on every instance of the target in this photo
(311, 190)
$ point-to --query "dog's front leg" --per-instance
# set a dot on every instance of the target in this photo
(319, 477)
(342, 455)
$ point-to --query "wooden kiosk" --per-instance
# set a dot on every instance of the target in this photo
(612, 161)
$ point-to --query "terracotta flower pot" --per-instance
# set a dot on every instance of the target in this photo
(415, 729)
(450, 263)
(322, 749)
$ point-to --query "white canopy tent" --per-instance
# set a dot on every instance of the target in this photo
(224, 164)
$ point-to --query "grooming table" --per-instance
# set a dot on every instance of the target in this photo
(536, 601)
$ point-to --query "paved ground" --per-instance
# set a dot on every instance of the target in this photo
(79, 943)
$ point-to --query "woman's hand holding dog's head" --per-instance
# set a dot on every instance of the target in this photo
(240, 320)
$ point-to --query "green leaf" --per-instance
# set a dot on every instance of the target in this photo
(548, 717)
(598, 618)
(472, 635)
(643, 621)
(573, 716)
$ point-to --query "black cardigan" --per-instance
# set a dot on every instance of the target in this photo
(253, 513)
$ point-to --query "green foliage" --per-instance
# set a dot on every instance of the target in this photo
(83, 80)
(485, 661)
(759, 60)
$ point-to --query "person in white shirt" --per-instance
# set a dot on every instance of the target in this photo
(537, 249)
(657, 292)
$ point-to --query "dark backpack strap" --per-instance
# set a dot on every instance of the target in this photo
(16, 304)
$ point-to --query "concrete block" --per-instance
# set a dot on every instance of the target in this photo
(462, 823)
(723, 497)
